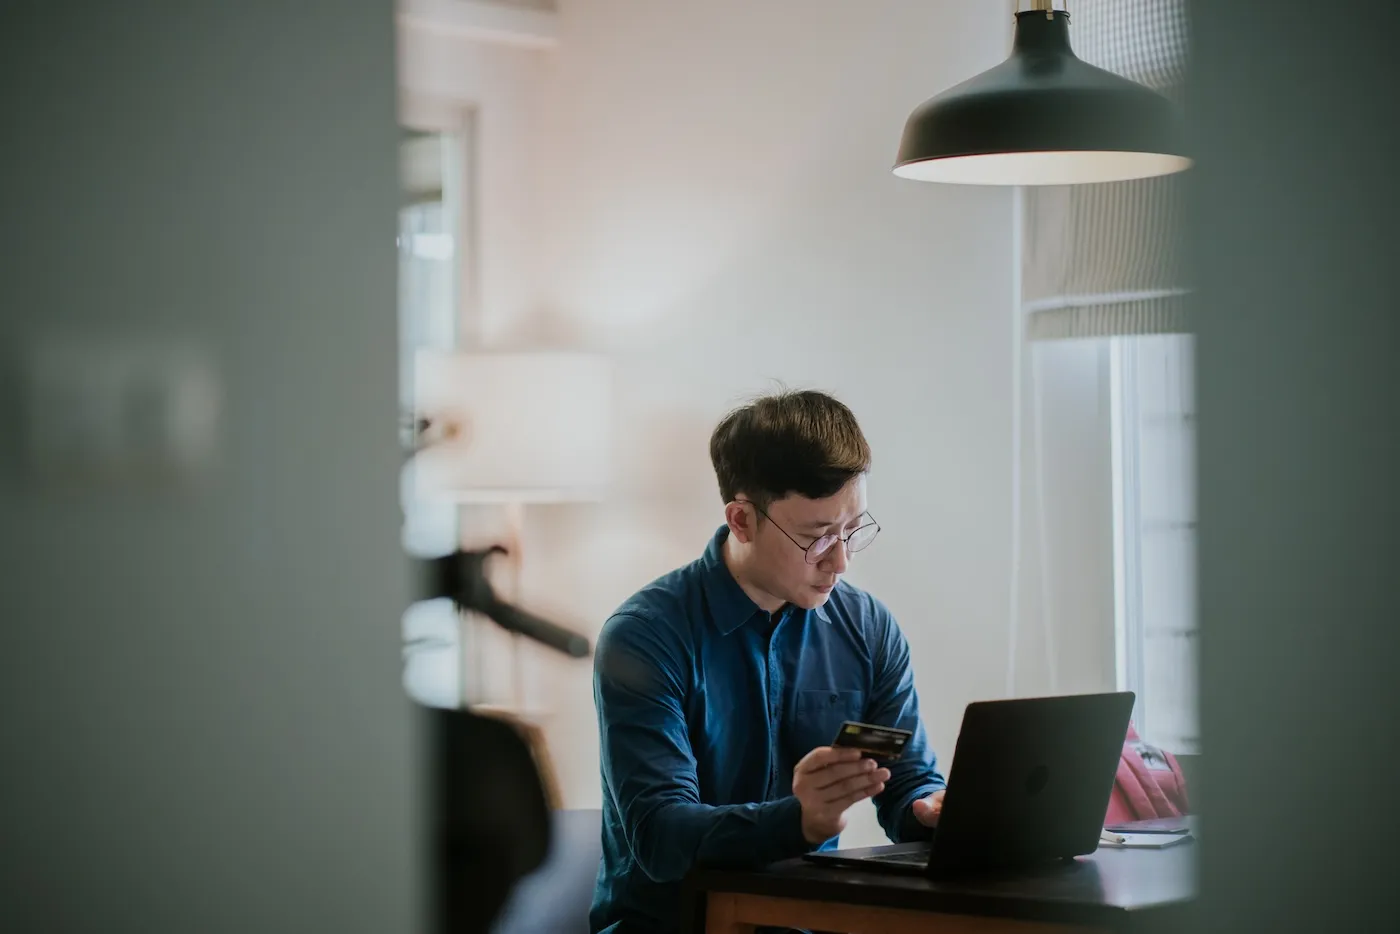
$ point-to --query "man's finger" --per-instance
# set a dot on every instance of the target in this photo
(835, 774)
(857, 784)
(823, 756)
(855, 797)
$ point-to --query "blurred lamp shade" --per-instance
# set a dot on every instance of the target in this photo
(514, 427)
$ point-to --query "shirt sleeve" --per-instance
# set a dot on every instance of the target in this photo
(649, 767)
(894, 701)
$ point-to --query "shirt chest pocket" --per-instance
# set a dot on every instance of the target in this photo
(818, 715)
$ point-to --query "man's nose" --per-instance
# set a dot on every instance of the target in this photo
(836, 559)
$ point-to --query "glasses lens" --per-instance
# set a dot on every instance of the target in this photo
(862, 537)
(820, 547)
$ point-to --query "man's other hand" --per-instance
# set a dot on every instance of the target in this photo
(926, 810)
(829, 780)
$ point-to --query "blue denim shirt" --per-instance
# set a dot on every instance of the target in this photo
(705, 705)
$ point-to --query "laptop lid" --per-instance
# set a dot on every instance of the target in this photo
(1031, 780)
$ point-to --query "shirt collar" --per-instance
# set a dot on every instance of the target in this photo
(729, 606)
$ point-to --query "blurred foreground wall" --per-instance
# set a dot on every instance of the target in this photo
(202, 724)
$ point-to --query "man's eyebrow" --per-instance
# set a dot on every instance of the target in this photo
(819, 524)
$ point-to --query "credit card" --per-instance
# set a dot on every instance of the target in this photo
(882, 742)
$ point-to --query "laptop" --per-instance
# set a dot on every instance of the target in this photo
(1030, 784)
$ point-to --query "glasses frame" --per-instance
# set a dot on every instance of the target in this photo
(807, 549)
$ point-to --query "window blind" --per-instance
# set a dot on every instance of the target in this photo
(1109, 259)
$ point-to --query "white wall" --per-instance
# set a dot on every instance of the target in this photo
(710, 202)
(722, 215)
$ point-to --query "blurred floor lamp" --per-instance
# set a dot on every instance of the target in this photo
(512, 429)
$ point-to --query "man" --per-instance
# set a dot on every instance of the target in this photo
(721, 685)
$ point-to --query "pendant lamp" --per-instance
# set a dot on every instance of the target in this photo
(1042, 117)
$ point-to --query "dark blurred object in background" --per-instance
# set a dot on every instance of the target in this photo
(489, 819)
(489, 826)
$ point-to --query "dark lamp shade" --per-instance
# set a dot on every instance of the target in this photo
(1042, 117)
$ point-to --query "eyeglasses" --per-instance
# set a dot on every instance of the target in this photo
(856, 540)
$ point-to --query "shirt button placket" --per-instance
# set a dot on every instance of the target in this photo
(775, 711)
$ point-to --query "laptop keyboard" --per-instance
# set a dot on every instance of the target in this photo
(919, 858)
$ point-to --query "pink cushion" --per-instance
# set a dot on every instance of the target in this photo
(1149, 784)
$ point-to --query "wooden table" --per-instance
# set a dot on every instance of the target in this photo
(1112, 890)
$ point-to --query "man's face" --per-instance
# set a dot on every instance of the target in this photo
(783, 565)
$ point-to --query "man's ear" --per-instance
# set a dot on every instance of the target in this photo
(741, 519)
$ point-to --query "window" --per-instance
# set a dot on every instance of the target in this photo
(428, 320)
(1154, 435)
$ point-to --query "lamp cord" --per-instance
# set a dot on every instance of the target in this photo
(1017, 340)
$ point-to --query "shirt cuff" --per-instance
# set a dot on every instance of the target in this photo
(788, 839)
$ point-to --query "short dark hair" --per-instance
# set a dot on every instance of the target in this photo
(805, 442)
